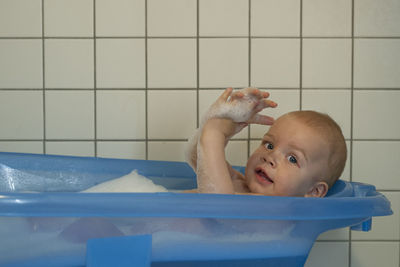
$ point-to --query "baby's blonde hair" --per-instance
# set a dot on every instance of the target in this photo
(332, 132)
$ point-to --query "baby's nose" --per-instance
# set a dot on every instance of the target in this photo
(269, 160)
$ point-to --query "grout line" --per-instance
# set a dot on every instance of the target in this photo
(95, 79)
(357, 240)
(200, 37)
(373, 140)
(198, 88)
(377, 240)
(301, 57)
(143, 139)
(388, 190)
(249, 83)
(112, 140)
(375, 89)
(146, 98)
(249, 73)
(43, 82)
(350, 153)
(195, 88)
(197, 64)
(351, 94)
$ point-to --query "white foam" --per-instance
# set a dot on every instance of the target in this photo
(238, 111)
(132, 182)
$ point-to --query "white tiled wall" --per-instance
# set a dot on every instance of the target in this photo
(130, 79)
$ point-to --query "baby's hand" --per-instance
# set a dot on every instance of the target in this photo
(242, 106)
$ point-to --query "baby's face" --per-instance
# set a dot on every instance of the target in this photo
(289, 161)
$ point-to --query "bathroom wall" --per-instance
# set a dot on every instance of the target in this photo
(130, 79)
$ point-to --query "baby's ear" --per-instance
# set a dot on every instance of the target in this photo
(319, 190)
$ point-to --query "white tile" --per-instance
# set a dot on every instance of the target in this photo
(120, 18)
(120, 63)
(372, 254)
(376, 114)
(21, 64)
(376, 162)
(386, 227)
(69, 64)
(224, 62)
(329, 254)
(275, 63)
(254, 144)
(172, 63)
(223, 18)
(68, 18)
(346, 172)
(327, 17)
(76, 148)
(120, 114)
(122, 150)
(327, 63)
(335, 103)
(168, 151)
(337, 234)
(206, 99)
(267, 14)
(377, 18)
(22, 146)
(376, 63)
(21, 18)
(69, 114)
(21, 114)
(172, 18)
(288, 100)
(171, 114)
(236, 153)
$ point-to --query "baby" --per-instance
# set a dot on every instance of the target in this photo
(302, 154)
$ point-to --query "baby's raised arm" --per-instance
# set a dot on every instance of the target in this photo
(226, 117)
(241, 107)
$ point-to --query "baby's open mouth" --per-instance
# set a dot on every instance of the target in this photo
(262, 176)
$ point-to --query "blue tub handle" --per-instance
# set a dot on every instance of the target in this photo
(365, 226)
(121, 251)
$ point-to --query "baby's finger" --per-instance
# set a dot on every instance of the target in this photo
(254, 92)
(257, 93)
(268, 103)
(261, 119)
(265, 94)
(225, 95)
(265, 104)
(237, 95)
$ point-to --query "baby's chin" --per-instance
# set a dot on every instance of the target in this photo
(254, 188)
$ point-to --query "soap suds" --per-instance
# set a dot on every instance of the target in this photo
(132, 182)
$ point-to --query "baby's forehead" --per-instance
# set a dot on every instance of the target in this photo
(289, 121)
(298, 135)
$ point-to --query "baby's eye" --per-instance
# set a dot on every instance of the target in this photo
(269, 146)
(292, 159)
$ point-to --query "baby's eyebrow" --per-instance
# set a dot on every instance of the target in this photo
(268, 135)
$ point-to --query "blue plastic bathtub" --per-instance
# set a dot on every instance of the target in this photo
(59, 227)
